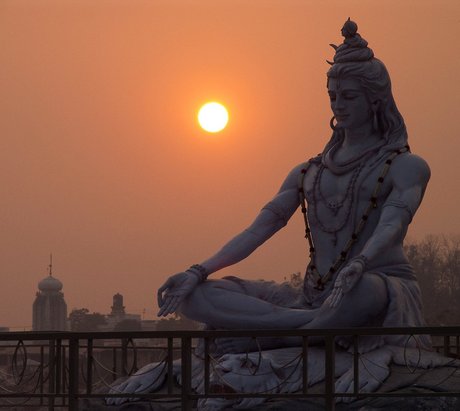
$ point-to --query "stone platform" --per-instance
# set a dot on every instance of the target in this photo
(401, 380)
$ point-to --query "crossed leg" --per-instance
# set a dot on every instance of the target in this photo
(224, 304)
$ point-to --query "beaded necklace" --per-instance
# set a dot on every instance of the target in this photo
(319, 280)
(334, 207)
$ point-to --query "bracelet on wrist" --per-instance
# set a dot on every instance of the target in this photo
(199, 271)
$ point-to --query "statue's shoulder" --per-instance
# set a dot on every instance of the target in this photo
(297, 175)
(303, 167)
(409, 168)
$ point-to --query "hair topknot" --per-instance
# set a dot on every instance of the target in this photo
(349, 29)
(354, 47)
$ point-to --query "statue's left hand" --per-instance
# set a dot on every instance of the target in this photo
(175, 289)
(346, 280)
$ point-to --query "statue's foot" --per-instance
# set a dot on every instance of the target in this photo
(373, 370)
(241, 373)
(148, 379)
(417, 358)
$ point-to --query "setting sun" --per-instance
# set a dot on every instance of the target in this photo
(213, 117)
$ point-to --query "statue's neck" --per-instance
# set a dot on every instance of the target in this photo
(356, 141)
(356, 146)
(360, 138)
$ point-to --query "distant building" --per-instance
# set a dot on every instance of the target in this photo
(118, 319)
(49, 308)
(118, 309)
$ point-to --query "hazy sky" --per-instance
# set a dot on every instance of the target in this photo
(102, 161)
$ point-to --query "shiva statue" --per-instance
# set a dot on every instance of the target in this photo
(358, 198)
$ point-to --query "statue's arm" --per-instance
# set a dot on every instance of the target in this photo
(409, 176)
(273, 216)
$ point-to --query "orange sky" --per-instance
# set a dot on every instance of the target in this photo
(103, 164)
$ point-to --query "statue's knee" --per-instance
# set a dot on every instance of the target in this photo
(198, 300)
(372, 288)
(220, 287)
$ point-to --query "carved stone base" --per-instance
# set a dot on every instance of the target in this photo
(401, 380)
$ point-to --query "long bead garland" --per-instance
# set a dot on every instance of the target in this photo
(319, 280)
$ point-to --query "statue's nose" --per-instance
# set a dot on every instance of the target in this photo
(339, 103)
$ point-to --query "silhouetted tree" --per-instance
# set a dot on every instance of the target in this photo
(436, 262)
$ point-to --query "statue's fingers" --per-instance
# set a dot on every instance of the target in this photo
(336, 297)
(332, 297)
(116, 389)
(160, 299)
(161, 290)
(110, 401)
(170, 306)
(177, 302)
(327, 301)
(133, 386)
(164, 308)
(119, 401)
(130, 386)
(246, 403)
(173, 304)
(343, 385)
(147, 384)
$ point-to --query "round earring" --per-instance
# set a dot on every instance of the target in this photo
(375, 121)
(331, 123)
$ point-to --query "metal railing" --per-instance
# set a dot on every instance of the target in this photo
(56, 370)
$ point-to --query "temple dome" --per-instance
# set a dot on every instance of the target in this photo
(50, 284)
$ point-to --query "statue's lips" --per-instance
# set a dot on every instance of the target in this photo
(341, 117)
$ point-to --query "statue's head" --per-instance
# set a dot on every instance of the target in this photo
(354, 62)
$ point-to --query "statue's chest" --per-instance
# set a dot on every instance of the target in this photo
(333, 192)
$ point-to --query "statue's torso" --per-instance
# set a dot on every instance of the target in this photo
(336, 203)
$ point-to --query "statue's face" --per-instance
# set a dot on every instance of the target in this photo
(349, 103)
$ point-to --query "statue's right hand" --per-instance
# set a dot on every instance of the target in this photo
(174, 290)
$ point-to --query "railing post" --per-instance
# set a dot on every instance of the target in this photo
(114, 361)
(186, 357)
(124, 357)
(51, 373)
(58, 376)
(356, 364)
(170, 365)
(305, 365)
(446, 348)
(73, 373)
(89, 366)
(330, 373)
(206, 365)
(41, 376)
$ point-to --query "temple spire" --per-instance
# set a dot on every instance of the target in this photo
(51, 265)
